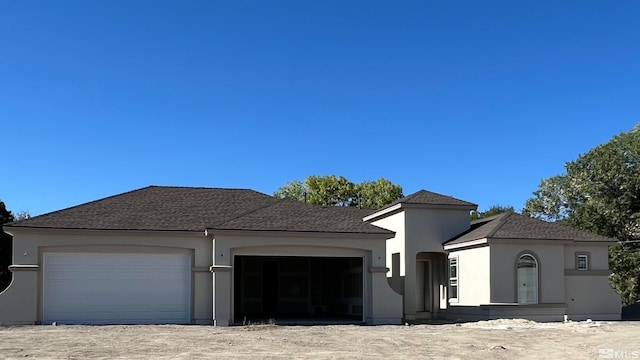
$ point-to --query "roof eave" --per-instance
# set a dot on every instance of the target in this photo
(13, 230)
(466, 244)
(547, 241)
(397, 207)
(212, 232)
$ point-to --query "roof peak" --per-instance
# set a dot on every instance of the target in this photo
(426, 197)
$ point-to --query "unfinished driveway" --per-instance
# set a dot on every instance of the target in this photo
(498, 339)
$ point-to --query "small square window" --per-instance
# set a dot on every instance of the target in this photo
(582, 262)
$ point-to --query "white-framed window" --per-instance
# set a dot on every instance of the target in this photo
(582, 261)
(453, 279)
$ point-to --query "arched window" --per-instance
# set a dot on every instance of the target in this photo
(527, 279)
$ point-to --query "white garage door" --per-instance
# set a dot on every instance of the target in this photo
(117, 288)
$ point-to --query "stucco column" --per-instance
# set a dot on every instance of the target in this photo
(221, 295)
(386, 304)
(19, 302)
(410, 286)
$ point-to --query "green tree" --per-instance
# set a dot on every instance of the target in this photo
(5, 247)
(330, 191)
(22, 215)
(493, 210)
(292, 190)
(600, 192)
(376, 194)
(338, 191)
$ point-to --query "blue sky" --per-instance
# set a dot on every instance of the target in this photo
(475, 99)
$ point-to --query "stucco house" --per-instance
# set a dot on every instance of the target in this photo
(226, 256)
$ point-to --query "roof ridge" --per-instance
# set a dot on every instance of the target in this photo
(277, 201)
(502, 220)
(201, 187)
(78, 205)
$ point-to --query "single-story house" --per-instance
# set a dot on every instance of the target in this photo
(226, 256)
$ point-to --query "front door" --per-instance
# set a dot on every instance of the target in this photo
(527, 277)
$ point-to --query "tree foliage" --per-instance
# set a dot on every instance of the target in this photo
(493, 210)
(5, 247)
(338, 191)
(600, 192)
(22, 215)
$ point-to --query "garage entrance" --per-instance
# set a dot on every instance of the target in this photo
(117, 288)
(298, 289)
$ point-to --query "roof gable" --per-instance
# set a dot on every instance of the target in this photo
(510, 225)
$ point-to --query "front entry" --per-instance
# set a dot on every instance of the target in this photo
(423, 286)
(298, 289)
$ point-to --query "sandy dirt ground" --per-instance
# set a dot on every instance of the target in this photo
(496, 339)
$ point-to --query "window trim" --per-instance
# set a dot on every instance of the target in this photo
(452, 280)
(587, 256)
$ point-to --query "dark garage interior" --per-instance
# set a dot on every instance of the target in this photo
(298, 289)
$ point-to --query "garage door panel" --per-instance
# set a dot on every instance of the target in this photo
(117, 288)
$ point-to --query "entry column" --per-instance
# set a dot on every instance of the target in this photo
(221, 295)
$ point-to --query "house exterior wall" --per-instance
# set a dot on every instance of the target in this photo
(419, 230)
(22, 301)
(563, 290)
(212, 293)
(395, 245)
(591, 297)
(381, 304)
(551, 267)
(588, 292)
(598, 255)
(474, 276)
(427, 229)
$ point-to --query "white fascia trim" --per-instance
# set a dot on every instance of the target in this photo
(297, 234)
(466, 244)
(25, 230)
(395, 208)
(529, 241)
(382, 212)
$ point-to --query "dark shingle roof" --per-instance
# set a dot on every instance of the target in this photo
(510, 225)
(196, 209)
(155, 208)
(292, 215)
(424, 197)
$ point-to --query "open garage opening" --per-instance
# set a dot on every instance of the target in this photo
(293, 289)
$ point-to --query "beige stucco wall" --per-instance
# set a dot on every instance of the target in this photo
(598, 255)
(563, 290)
(591, 297)
(427, 229)
(551, 267)
(396, 223)
(381, 304)
(474, 276)
(419, 230)
(22, 301)
(588, 292)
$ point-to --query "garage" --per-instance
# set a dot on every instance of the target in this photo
(116, 288)
(298, 289)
